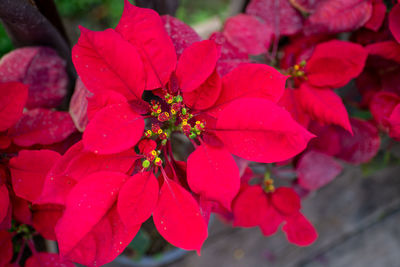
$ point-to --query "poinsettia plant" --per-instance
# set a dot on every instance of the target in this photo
(173, 128)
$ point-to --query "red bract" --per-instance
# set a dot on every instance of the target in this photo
(231, 56)
(333, 64)
(4, 202)
(178, 218)
(394, 22)
(6, 252)
(283, 18)
(196, 64)
(42, 70)
(28, 172)
(144, 29)
(76, 164)
(113, 129)
(388, 49)
(43, 259)
(182, 35)
(45, 218)
(299, 230)
(93, 201)
(333, 16)
(291, 102)
(42, 126)
(394, 122)
(269, 209)
(382, 105)
(213, 174)
(105, 60)
(377, 16)
(362, 146)
(138, 198)
(248, 33)
(206, 94)
(324, 105)
(251, 80)
(13, 96)
(274, 136)
(316, 169)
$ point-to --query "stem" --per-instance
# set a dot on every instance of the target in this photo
(170, 165)
(20, 252)
(276, 29)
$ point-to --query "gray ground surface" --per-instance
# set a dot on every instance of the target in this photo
(358, 221)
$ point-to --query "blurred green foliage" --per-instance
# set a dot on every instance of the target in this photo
(101, 14)
(5, 42)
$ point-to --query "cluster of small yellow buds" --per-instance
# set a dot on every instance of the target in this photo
(155, 108)
(164, 116)
(298, 69)
(192, 131)
(268, 183)
(153, 156)
(156, 130)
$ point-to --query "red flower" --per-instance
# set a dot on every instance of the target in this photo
(269, 208)
(219, 115)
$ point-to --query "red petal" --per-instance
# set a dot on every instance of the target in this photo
(333, 64)
(196, 64)
(362, 146)
(42, 70)
(76, 164)
(394, 22)
(387, 49)
(377, 17)
(250, 207)
(272, 220)
(299, 230)
(113, 129)
(206, 95)
(279, 14)
(138, 198)
(28, 171)
(327, 140)
(178, 218)
(4, 202)
(104, 60)
(12, 102)
(248, 34)
(21, 210)
(251, 80)
(107, 239)
(324, 105)
(316, 169)
(42, 126)
(212, 173)
(333, 16)
(103, 99)
(286, 200)
(290, 101)
(42, 259)
(182, 35)
(6, 251)
(382, 105)
(91, 200)
(45, 217)
(258, 130)
(144, 29)
(231, 56)
(394, 121)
